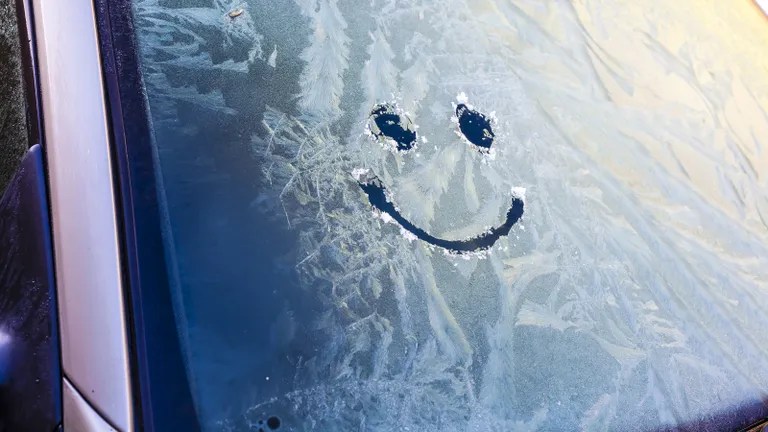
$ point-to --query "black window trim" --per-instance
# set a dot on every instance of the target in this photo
(161, 389)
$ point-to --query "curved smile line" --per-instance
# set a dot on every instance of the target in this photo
(377, 196)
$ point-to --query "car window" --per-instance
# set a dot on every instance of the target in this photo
(464, 215)
(13, 126)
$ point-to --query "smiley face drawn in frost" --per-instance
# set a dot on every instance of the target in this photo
(392, 128)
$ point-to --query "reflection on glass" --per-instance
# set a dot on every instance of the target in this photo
(631, 293)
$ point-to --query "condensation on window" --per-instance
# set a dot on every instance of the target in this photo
(631, 290)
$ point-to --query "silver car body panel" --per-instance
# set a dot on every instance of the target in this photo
(79, 416)
(91, 310)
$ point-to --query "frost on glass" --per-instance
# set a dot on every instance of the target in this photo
(631, 295)
(178, 41)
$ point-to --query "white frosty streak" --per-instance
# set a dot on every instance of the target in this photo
(532, 314)
(379, 74)
(322, 79)
(417, 78)
(273, 58)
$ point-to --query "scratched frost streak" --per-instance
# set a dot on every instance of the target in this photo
(621, 295)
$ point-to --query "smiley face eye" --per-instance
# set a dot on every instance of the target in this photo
(475, 126)
(390, 125)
